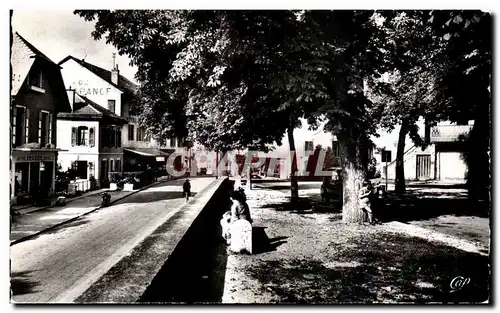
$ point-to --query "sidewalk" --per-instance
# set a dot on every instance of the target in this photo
(24, 209)
(313, 257)
(31, 223)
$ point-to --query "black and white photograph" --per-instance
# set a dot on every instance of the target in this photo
(250, 156)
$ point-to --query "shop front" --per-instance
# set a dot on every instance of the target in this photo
(141, 159)
(32, 171)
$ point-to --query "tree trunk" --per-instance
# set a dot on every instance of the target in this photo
(478, 178)
(294, 186)
(354, 155)
(400, 165)
(249, 175)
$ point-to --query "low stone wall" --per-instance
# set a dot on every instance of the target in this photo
(142, 270)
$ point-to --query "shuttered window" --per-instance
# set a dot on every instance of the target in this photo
(27, 126)
(112, 137)
(82, 135)
(130, 132)
(118, 138)
(308, 146)
(50, 129)
(13, 123)
(40, 127)
(92, 136)
(73, 136)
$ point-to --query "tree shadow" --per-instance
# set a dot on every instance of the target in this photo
(261, 243)
(311, 204)
(378, 269)
(154, 196)
(413, 206)
(22, 232)
(21, 284)
(275, 186)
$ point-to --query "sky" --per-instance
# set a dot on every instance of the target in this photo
(60, 33)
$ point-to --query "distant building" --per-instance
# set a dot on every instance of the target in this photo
(37, 96)
(443, 158)
(115, 93)
(91, 138)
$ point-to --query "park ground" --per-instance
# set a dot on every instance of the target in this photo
(311, 256)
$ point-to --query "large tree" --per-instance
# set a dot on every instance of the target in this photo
(409, 93)
(466, 87)
(240, 79)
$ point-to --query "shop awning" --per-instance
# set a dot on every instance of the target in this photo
(149, 152)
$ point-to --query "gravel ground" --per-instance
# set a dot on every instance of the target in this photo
(313, 257)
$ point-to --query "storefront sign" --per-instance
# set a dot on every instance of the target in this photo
(34, 158)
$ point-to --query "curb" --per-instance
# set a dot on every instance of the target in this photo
(34, 209)
(28, 237)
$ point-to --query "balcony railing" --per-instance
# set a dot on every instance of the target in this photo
(449, 133)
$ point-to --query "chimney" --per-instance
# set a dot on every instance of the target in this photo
(115, 73)
(71, 97)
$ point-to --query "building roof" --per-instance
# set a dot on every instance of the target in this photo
(22, 58)
(23, 55)
(88, 109)
(124, 84)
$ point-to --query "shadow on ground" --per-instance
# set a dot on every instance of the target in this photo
(306, 205)
(413, 206)
(20, 283)
(379, 268)
(153, 196)
(20, 233)
(275, 186)
(261, 243)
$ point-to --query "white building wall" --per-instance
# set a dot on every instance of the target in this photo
(77, 153)
(90, 85)
(64, 136)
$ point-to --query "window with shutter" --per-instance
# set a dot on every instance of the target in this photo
(92, 136)
(50, 128)
(111, 136)
(40, 127)
(27, 126)
(131, 132)
(335, 148)
(111, 105)
(14, 112)
(82, 135)
(73, 136)
(308, 146)
(118, 138)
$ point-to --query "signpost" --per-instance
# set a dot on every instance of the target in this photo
(386, 157)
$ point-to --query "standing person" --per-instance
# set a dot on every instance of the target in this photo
(186, 188)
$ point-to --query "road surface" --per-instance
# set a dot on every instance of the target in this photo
(60, 265)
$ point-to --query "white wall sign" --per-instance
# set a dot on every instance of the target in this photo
(82, 87)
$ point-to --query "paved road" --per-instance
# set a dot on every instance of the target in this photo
(60, 265)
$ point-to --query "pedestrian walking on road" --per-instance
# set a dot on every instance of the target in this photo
(186, 188)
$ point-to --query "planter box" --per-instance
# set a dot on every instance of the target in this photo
(128, 187)
(113, 186)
